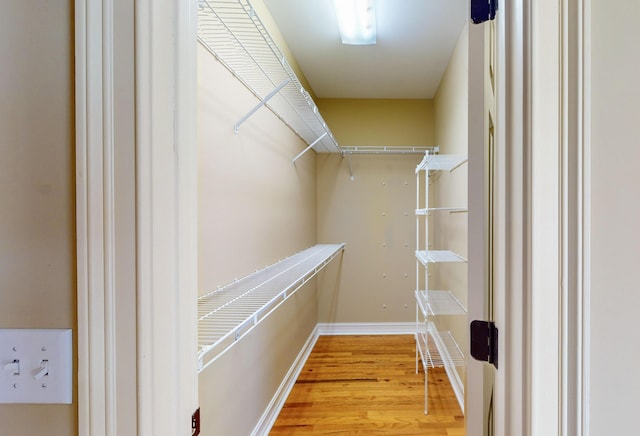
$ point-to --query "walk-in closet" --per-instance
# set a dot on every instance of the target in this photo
(313, 219)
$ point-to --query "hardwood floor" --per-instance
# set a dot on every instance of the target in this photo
(362, 385)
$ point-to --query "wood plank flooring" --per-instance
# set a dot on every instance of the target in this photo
(363, 385)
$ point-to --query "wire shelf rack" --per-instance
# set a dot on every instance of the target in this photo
(438, 349)
(440, 162)
(384, 149)
(228, 313)
(439, 303)
(438, 256)
(428, 210)
(232, 32)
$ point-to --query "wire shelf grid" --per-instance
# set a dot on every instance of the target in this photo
(440, 162)
(438, 349)
(428, 210)
(438, 256)
(226, 314)
(232, 32)
(384, 149)
(439, 303)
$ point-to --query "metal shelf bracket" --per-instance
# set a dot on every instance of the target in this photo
(264, 101)
(308, 148)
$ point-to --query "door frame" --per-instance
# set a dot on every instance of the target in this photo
(543, 244)
(166, 223)
(150, 48)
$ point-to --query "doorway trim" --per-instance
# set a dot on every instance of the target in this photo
(556, 219)
(161, 178)
(576, 192)
(166, 177)
(544, 91)
(95, 220)
(512, 287)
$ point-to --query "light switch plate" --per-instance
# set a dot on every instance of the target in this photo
(36, 366)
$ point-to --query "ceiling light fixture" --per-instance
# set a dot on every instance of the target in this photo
(357, 21)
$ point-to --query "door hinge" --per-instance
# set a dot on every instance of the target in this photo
(484, 341)
(195, 423)
(483, 10)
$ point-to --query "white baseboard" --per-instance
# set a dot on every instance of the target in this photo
(277, 402)
(367, 328)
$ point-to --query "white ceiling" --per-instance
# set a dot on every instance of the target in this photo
(414, 43)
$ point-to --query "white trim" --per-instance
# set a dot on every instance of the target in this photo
(585, 91)
(574, 137)
(476, 223)
(546, 209)
(187, 215)
(95, 220)
(502, 225)
(282, 393)
(167, 210)
(366, 328)
(512, 389)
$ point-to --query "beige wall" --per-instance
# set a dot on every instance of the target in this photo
(237, 388)
(615, 214)
(379, 121)
(374, 215)
(37, 230)
(374, 212)
(449, 231)
(255, 208)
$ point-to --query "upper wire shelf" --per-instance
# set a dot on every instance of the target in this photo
(441, 162)
(232, 32)
(428, 210)
(438, 256)
(433, 303)
(228, 313)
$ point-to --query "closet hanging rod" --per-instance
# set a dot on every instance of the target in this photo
(386, 149)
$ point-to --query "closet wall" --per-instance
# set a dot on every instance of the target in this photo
(255, 208)
(450, 189)
(37, 218)
(374, 212)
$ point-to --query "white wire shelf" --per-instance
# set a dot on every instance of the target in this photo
(441, 162)
(232, 32)
(439, 303)
(438, 349)
(427, 210)
(438, 256)
(228, 313)
(383, 149)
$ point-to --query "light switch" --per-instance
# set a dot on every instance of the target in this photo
(36, 366)
(13, 367)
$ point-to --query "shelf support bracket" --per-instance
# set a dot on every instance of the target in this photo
(264, 101)
(350, 169)
(308, 148)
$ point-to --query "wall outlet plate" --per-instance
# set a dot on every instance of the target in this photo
(36, 366)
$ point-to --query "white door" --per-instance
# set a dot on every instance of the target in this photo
(498, 219)
(484, 232)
